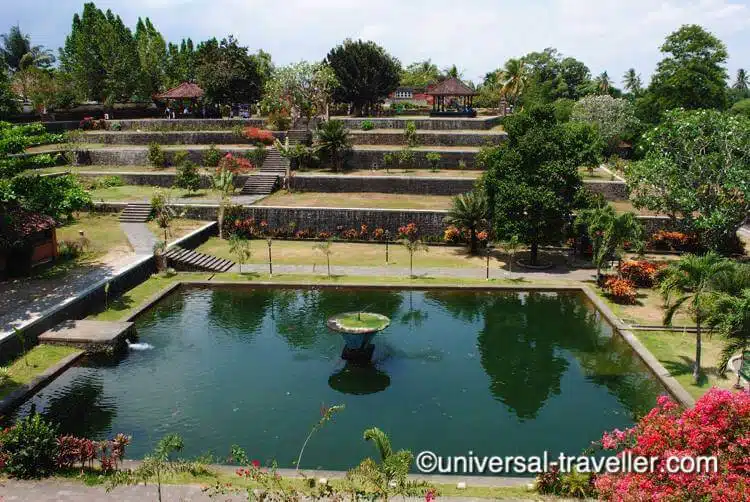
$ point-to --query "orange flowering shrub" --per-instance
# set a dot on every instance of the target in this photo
(409, 231)
(664, 240)
(620, 290)
(257, 135)
(452, 235)
(237, 165)
(642, 273)
(378, 234)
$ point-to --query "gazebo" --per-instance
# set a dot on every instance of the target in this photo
(186, 91)
(460, 106)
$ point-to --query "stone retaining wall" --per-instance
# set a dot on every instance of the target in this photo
(442, 124)
(139, 156)
(189, 124)
(611, 190)
(365, 159)
(427, 139)
(170, 137)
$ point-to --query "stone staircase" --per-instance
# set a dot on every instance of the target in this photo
(136, 212)
(297, 136)
(267, 178)
(193, 261)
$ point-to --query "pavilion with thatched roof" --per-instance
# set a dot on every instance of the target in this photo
(186, 91)
(452, 98)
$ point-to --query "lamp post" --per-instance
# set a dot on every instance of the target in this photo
(387, 238)
(270, 261)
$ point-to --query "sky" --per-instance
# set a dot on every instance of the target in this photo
(476, 35)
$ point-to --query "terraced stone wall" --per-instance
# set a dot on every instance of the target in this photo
(170, 138)
(366, 159)
(189, 124)
(443, 124)
(428, 139)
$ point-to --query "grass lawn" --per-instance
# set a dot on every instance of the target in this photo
(676, 351)
(128, 193)
(647, 312)
(596, 174)
(357, 200)
(353, 254)
(625, 206)
(24, 368)
(179, 228)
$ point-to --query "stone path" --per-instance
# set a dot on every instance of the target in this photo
(141, 238)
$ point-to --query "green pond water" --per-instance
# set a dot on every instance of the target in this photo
(498, 373)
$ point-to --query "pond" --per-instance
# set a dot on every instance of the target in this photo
(495, 372)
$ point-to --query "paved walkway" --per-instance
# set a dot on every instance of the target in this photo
(141, 238)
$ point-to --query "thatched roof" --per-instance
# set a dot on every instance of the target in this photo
(185, 90)
(16, 225)
(451, 87)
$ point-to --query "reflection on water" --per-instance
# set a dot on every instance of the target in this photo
(495, 372)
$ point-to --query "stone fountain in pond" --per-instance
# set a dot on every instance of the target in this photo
(358, 329)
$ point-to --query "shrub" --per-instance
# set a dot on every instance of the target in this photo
(259, 136)
(29, 448)
(408, 231)
(368, 125)
(350, 234)
(549, 483)
(410, 134)
(641, 273)
(211, 157)
(279, 120)
(378, 234)
(664, 240)
(106, 182)
(452, 235)
(180, 157)
(156, 155)
(462, 164)
(115, 126)
(620, 290)
(188, 176)
(236, 165)
(715, 427)
(434, 159)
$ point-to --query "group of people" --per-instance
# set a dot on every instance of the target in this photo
(171, 113)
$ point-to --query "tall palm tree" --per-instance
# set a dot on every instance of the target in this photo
(741, 83)
(730, 316)
(513, 78)
(333, 141)
(223, 182)
(603, 83)
(687, 284)
(632, 82)
(469, 211)
(609, 233)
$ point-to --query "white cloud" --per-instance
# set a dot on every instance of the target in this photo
(476, 35)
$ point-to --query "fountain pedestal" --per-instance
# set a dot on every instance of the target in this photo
(358, 329)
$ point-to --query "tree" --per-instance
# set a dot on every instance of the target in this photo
(511, 247)
(366, 73)
(632, 82)
(227, 73)
(8, 103)
(240, 247)
(306, 88)
(152, 54)
(686, 284)
(730, 316)
(609, 232)
(741, 107)
(532, 181)
(325, 248)
(223, 183)
(332, 140)
(603, 83)
(101, 56)
(188, 176)
(513, 79)
(552, 77)
(58, 197)
(420, 74)
(413, 246)
(741, 82)
(695, 169)
(692, 74)
(469, 211)
(163, 212)
(614, 118)
(17, 49)
(180, 63)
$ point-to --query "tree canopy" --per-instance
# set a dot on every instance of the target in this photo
(304, 87)
(614, 118)
(695, 169)
(227, 72)
(152, 56)
(366, 73)
(420, 74)
(17, 51)
(532, 181)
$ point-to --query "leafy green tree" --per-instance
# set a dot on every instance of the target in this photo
(552, 76)
(632, 82)
(420, 74)
(695, 169)
(609, 232)
(532, 181)
(730, 316)
(687, 284)
(332, 141)
(227, 73)
(17, 51)
(101, 56)
(152, 54)
(326, 249)
(240, 248)
(413, 246)
(692, 74)
(58, 197)
(614, 118)
(188, 176)
(8, 103)
(741, 107)
(469, 211)
(366, 73)
(180, 65)
(305, 87)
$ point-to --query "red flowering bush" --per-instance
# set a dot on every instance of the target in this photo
(664, 240)
(642, 273)
(324, 235)
(256, 135)
(483, 236)
(718, 426)
(378, 234)
(363, 232)
(409, 231)
(350, 234)
(237, 165)
(452, 235)
(620, 290)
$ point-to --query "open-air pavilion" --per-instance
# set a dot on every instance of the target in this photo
(452, 98)
(186, 92)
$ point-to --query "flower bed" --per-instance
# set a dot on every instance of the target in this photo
(258, 136)
(620, 290)
(664, 240)
(641, 273)
(237, 165)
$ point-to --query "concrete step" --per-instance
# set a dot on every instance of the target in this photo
(136, 212)
(187, 259)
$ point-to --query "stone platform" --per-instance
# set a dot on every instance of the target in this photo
(91, 336)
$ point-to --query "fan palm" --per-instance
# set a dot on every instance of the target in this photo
(742, 80)
(730, 316)
(333, 141)
(513, 78)
(632, 82)
(687, 284)
(469, 211)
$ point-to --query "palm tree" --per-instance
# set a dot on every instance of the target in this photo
(223, 182)
(603, 83)
(333, 141)
(730, 316)
(609, 233)
(390, 475)
(742, 80)
(688, 282)
(632, 82)
(469, 211)
(513, 78)
(16, 47)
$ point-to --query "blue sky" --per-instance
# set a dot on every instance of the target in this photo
(476, 35)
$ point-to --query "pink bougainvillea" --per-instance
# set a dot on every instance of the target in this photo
(718, 426)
